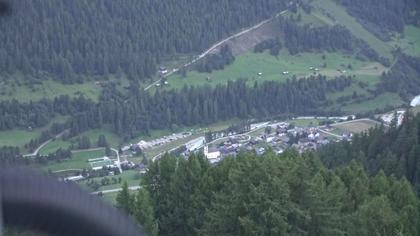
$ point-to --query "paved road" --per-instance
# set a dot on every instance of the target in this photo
(43, 145)
(133, 188)
(59, 171)
(118, 159)
(208, 51)
(88, 150)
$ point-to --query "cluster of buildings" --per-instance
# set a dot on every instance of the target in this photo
(388, 118)
(156, 142)
(277, 137)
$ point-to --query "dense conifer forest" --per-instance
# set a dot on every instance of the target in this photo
(365, 187)
(395, 150)
(403, 78)
(138, 112)
(383, 17)
(69, 40)
(290, 194)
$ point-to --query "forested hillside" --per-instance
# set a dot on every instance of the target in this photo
(395, 150)
(290, 194)
(139, 112)
(383, 17)
(63, 39)
(403, 78)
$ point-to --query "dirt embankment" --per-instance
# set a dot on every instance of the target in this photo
(250, 39)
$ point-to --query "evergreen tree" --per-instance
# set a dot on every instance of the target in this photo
(125, 200)
(144, 212)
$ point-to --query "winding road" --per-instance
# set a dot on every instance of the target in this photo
(43, 145)
(208, 51)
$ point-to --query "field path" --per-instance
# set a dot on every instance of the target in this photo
(87, 150)
(208, 51)
(43, 145)
(133, 188)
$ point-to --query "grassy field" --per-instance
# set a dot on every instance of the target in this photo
(47, 89)
(132, 177)
(249, 65)
(357, 126)
(305, 122)
(93, 135)
(112, 138)
(54, 146)
(409, 41)
(110, 198)
(347, 92)
(17, 137)
(316, 19)
(380, 102)
(78, 161)
(342, 17)
(20, 137)
(17, 88)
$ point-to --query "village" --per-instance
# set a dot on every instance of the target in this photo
(258, 138)
(302, 134)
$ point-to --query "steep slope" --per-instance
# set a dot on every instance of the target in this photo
(339, 16)
(67, 38)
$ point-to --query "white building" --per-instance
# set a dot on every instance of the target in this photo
(387, 118)
(195, 144)
(74, 178)
(415, 102)
(212, 154)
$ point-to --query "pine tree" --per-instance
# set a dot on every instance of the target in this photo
(144, 212)
(125, 200)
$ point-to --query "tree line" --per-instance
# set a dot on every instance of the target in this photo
(216, 61)
(307, 38)
(383, 17)
(273, 45)
(403, 78)
(289, 194)
(72, 40)
(394, 149)
(139, 112)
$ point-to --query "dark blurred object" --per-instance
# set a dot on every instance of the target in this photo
(4, 7)
(31, 201)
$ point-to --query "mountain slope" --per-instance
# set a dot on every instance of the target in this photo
(68, 38)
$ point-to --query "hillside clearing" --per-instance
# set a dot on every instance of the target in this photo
(380, 102)
(341, 17)
(250, 64)
(409, 41)
(79, 160)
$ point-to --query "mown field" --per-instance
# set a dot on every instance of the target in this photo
(16, 137)
(358, 126)
(20, 137)
(79, 160)
(250, 64)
